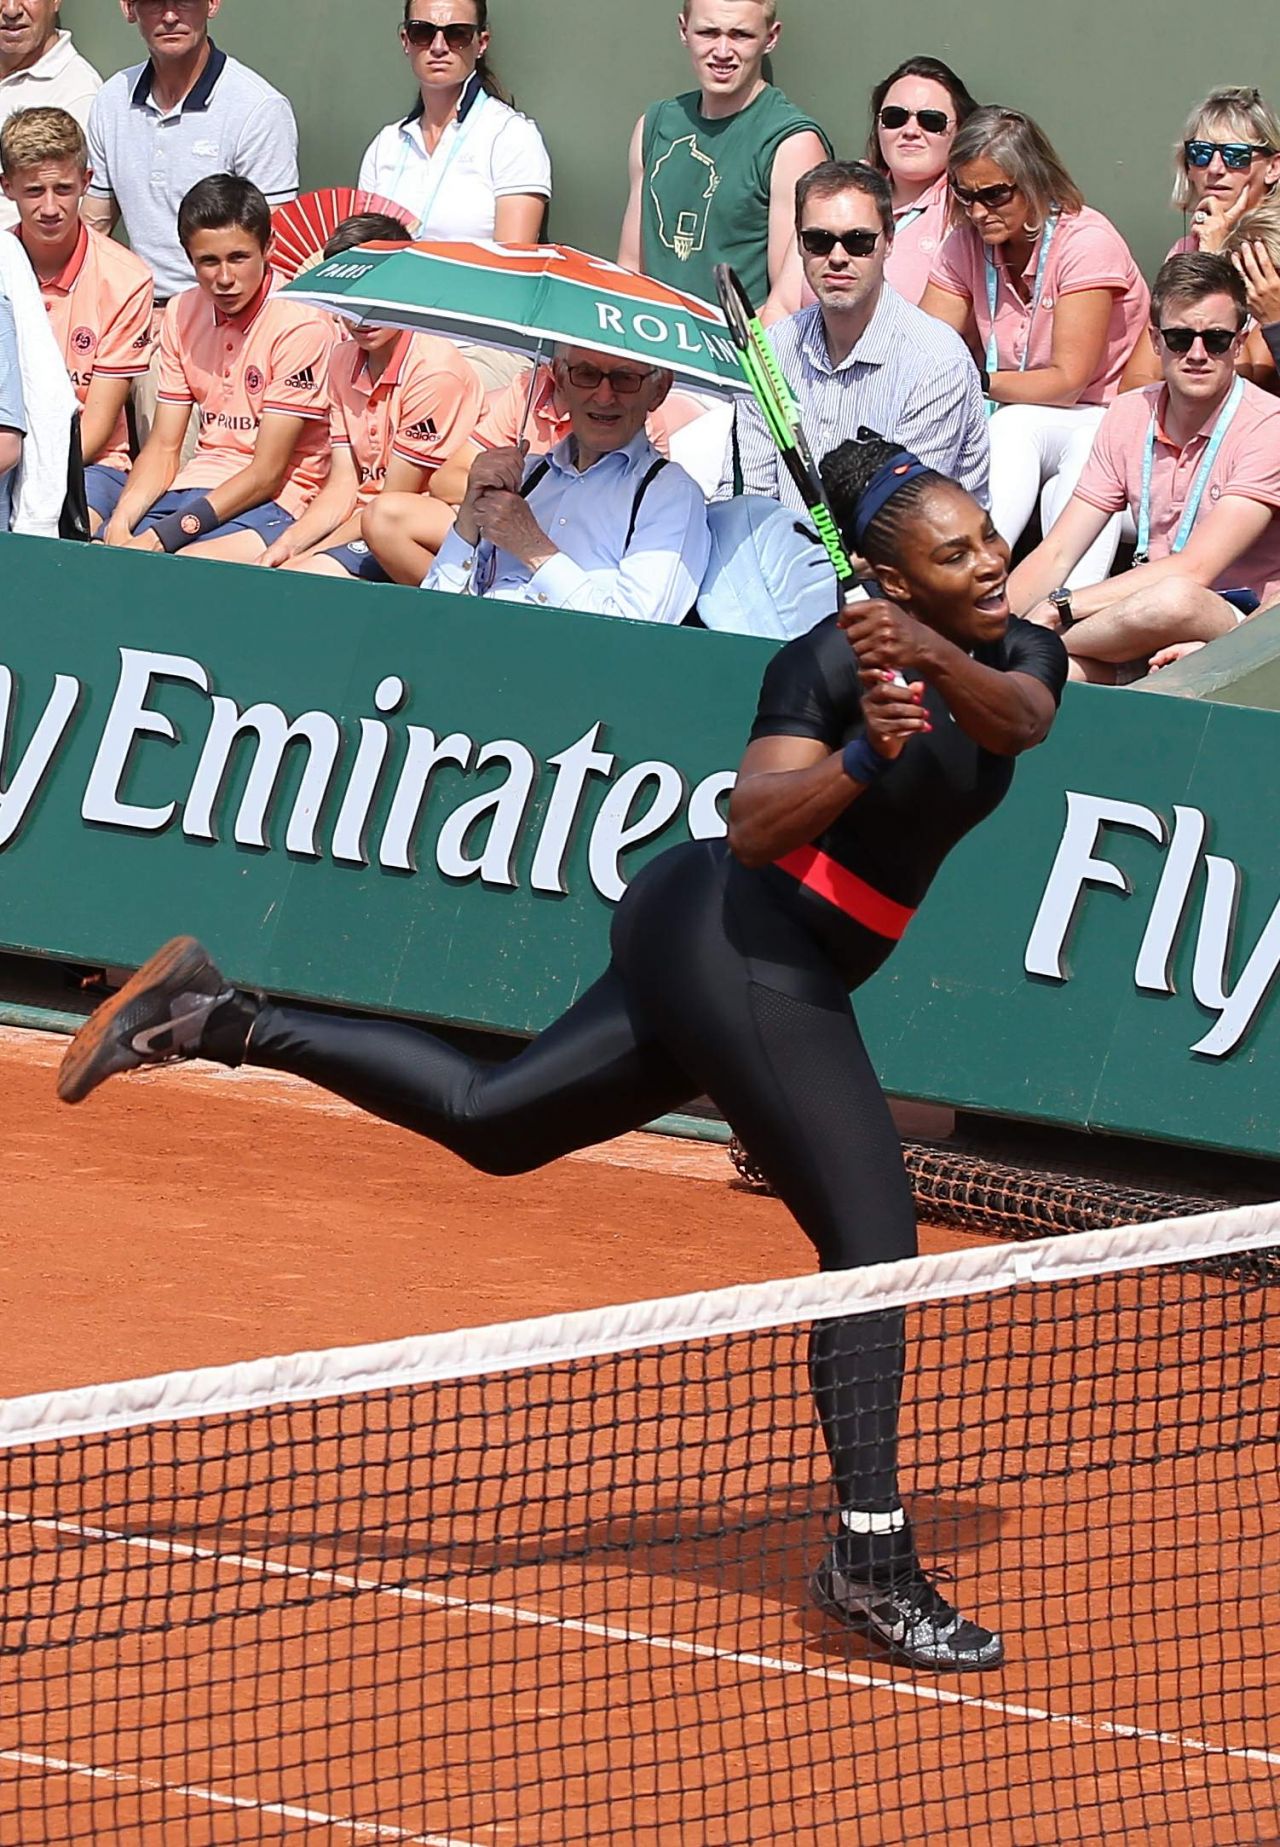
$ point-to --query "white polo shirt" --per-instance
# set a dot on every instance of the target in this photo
(490, 152)
(61, 79)
(148, 159)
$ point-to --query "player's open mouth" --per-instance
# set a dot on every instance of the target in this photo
(996, 603)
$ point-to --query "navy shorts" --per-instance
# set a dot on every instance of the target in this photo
(103, 487)
(268, 521)
(358, 561)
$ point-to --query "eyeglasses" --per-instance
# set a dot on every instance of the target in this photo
(424, 32)
(1237, 156)
(932, 121)
(590, 378)
(818, 243)
(1216, 340)
(992, 197)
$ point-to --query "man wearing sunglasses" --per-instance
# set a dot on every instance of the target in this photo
(862, 355)
(601, 524)
(1196, 460)
(158, 128)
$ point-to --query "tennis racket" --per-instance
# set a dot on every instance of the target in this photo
(782, 418)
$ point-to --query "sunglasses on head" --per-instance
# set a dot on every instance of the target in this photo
(818, 243)
(423, 32)
(1217, 340)
(993, 197)
(932, 121)
(590, 378)
(1237, 156)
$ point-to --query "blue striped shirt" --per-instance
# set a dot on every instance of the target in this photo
(909, 378)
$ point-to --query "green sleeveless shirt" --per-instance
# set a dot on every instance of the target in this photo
(706, 190)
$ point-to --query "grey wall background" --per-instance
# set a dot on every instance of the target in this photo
(1110, 80)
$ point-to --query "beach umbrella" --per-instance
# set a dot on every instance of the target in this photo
(528, 297)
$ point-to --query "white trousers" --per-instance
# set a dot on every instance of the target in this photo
(1038, 451)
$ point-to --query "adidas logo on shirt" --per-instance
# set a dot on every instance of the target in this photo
(422, 432)
(302, 381)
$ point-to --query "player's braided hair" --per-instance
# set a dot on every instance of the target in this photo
(848, 471)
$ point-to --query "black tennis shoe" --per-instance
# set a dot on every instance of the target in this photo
(905, 1612)
(157, 1017)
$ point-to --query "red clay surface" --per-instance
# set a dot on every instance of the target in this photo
(409, 1631)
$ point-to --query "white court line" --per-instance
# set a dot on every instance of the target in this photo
(773, 1664)
(372, 1830)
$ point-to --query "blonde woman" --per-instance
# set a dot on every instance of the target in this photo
(1048, 295)
(1226, 164)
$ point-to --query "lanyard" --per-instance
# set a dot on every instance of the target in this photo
(1196, 495)
(993, 288)
(466, 110)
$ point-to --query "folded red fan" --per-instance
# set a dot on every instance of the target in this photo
(301, 228)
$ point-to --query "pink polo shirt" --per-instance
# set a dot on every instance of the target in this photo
(1087, 252)
(919, 233)
(1247, 464)
(424, 406)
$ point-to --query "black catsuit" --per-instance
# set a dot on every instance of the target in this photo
(733, 982)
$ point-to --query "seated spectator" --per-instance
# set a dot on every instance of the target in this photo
(1196, 460)
(915, 113)
(400, 404)
(255, 366)
(714, 172)
(603, 523)
(44, 484)
(98, 294)
(13, 413)
(1227, 162)
(862, 355)
(1254, 248)
(463, 161)
(1048, 291)
(157, 128)
(40, 68)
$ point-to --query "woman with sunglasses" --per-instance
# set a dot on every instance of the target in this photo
(462, 161)
(915, 112)
(1227, 162)
(1049, 297)
(731, 973)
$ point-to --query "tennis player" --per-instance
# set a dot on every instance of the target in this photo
(731, 972)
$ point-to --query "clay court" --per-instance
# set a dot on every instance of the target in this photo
(568, 1603)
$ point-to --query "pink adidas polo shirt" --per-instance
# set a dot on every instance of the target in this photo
(1087, 252)
(1247, 464)
(274, 357)
(100, 309)
(503, 422)
(425, 405)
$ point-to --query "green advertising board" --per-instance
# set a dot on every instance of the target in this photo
(429, 806)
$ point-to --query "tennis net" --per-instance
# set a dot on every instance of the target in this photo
(547, 1583)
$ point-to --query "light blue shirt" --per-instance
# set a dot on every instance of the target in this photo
(13, 411)
(586, 515)
(909, 378)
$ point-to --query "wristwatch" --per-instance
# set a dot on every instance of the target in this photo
(1061, 600)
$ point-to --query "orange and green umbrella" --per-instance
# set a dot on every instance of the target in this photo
(528, 297)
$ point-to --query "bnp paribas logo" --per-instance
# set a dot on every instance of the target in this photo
(682, 185)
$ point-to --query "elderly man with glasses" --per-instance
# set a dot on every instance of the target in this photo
(862, 356)
(602, 524)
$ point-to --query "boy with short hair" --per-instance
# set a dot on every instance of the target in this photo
(98, 293)
(255, 364)
(400, 403)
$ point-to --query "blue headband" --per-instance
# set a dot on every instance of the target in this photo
(881, 489)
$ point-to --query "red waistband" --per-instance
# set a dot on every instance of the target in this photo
(819, 873)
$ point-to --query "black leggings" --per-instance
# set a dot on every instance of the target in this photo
(715, 986)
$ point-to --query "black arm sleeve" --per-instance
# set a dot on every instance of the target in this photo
(1035, 651)
(811, 690)
(1272, 337)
